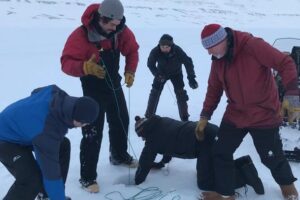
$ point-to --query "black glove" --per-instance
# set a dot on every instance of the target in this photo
(193, 83)
(157, 165)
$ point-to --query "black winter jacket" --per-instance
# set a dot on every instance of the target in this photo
(170, 64)
(170, 137)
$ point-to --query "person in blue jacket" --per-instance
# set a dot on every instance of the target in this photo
(38, 124)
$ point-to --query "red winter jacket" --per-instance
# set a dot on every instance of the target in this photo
(78, 49)
(248, 82)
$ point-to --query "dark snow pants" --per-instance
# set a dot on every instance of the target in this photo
(205, 172)
(268, 145)
(113, 104)
(181, 96)
(20, 162)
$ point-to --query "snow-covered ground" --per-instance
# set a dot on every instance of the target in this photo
(33, 33)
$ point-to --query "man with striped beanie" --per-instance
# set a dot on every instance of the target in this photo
(212, 35)
(241, 66)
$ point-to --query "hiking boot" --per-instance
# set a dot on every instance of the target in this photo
(250, 174)
(128, 161)
(214, 196)
(289, 192)
(89, 186)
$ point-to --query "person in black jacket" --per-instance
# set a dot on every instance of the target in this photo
(38, 124)
(165, 63)
(173, 138)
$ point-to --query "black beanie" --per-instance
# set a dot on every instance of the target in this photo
(85, 110)
(166, 39)
(146, 126)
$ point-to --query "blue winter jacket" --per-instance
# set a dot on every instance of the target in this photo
(41, 121)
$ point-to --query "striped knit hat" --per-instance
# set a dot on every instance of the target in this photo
(212, 35)
(139, 125)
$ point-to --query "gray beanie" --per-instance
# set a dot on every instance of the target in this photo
(112, 9)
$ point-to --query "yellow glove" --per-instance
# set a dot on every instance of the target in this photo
(291, 106)
(200, 128)
(91, 67)
(129, 78)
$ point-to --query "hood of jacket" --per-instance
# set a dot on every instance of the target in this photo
(95, 32)
(62, 107)
(236, 41)
(88, 15)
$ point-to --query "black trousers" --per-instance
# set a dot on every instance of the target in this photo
(205, 172)
(113, 104)
(177, 81)
(20, 162)
(268, 145)
(181, 95)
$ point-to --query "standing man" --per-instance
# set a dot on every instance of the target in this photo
(39, 123)
(92, 52)
(165, 63)
(241, 66)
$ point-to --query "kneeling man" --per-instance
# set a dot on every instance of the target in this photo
(173, 138)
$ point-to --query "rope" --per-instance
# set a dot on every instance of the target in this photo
(128, 137)
(175, 100)
(150, 193)
(129, 111)
(119, 114)
(110, 84)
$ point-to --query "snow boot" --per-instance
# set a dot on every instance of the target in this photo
(214, 196)
(89, 186)
(249, 173)
(289, 192)
(127, 161)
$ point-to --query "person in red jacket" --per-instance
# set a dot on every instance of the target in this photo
(92, 53)
(241, 66)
